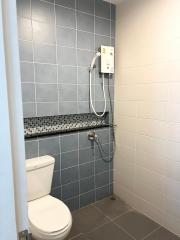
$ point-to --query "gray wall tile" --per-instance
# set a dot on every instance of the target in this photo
(83, 107)
(25, 51)
(103, 135)
(68, 108)
(85, 22)
(31, 148)
(57, 162)
(111, 176)
(99, 92)
(65, 17)
(66, 56)
(87, 184)
(113, 42)
(73, 203)
(67, 74)
(46, 92)
(69, 175)
(44, 53)
(45, 73)
(69, 3)
(102, 179)
(49, 146)
(24, 29)
(102, 192)
(50, 1)
(43, 32)
(42, 11)
(99, 105)
(86, 170)
(83, 92)
(113, 12)
(85, 40)
(86, 155)
(61, 84)
(83, 75)
(85, 6)
(70, 190)
(27, 72)
(69, 142)
(102, 26)
(113, 29)
(29, 110)
(56, 192)
(101, 166)
(84, 57)
(102, 9)
(28, 92)
(101, 40)
(47, 109)
(66, 37)
(56, 179)
(69, 159)
(87, 198)
(68, 92)
(105, 149)
(111, 190)
(24, 8)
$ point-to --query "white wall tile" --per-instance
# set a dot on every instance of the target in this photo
(153, 110)
(147, 108)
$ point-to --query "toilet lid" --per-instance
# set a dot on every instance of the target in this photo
(48, 214)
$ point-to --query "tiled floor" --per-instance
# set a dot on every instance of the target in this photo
(114, 220)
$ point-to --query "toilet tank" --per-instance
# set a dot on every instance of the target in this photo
(39, 176)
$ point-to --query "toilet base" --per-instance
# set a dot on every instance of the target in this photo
(60, 237)
(38, 236)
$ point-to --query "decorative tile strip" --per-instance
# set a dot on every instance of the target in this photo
(48, 125)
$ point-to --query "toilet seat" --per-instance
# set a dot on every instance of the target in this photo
(49, 217)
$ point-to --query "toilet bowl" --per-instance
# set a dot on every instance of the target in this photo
(49, 217)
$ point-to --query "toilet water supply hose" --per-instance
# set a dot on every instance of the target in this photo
(95, 137)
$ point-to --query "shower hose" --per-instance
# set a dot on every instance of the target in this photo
(104, 155)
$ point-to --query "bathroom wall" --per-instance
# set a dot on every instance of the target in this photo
(147, 108)
(57, 41)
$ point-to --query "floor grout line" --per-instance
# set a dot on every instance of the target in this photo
(109, 222)
(124, 230)
(149, 234)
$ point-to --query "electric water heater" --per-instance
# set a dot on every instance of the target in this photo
(107, 59)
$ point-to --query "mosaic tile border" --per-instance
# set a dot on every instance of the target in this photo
(48, 125)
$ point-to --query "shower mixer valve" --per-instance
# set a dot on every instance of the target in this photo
(92, 136)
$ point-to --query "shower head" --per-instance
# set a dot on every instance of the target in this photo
(98, 54)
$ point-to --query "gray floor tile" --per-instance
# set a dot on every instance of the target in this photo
(162, 234)
(78, 237)
(90, 224)
(107, 232)
(86, 219)
(112, 208)
(136, 224)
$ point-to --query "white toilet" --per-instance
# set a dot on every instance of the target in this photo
(49, 218)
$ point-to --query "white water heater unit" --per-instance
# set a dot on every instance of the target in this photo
(107, 59)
